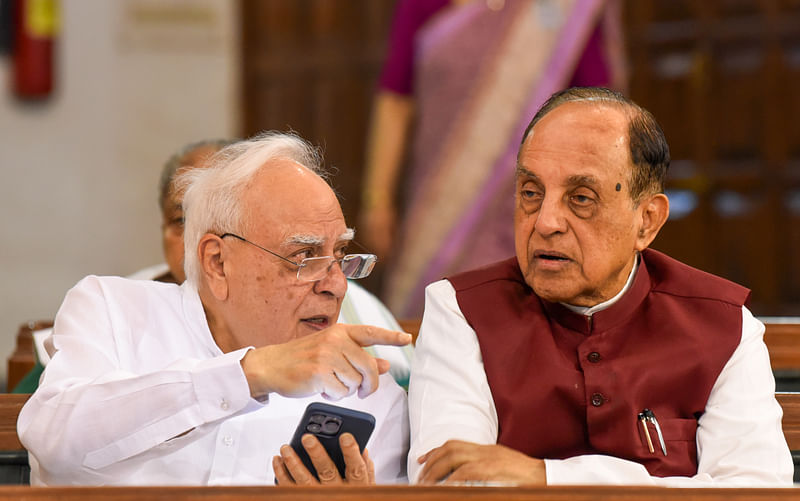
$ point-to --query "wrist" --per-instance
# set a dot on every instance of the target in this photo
(256, 381)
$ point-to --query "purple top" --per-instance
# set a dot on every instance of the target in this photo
(410, 15)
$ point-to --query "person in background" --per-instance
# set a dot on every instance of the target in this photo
(460, 82)
(201, 383)
(588, 358)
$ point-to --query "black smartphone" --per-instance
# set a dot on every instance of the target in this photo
(327, 422)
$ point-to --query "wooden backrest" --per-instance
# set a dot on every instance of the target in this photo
(790, 402)
(22, 360)
(410, 325)
(10, 405)
(783, 343)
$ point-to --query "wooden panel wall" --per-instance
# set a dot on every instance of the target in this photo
(311, 66)
(721, 76)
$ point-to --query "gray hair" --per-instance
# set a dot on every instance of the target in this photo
(212, 203)
(179, 159)
(648, 147)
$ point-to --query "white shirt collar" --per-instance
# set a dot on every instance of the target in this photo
(591, 310)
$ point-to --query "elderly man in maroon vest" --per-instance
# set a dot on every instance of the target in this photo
(589, 358)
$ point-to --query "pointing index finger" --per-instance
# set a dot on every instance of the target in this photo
(367, 335)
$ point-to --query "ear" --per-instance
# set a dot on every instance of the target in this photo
(654, 212)
(211, 255)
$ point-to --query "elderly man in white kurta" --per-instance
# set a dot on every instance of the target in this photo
(204, 383)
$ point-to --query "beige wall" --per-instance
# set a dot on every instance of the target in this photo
(136, 79)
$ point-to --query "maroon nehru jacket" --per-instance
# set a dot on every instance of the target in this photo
(566, 385)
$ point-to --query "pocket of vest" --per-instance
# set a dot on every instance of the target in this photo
(678, 429)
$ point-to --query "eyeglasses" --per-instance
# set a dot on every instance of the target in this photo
(311, 269)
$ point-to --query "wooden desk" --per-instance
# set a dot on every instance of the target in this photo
(394, 493)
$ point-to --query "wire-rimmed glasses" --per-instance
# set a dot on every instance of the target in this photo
(311, 269)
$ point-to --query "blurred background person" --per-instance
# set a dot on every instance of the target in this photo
(460, 80)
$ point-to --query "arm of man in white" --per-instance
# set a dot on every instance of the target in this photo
(737, 437)
(92, 410)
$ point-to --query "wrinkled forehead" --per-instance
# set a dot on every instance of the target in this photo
(581, 121)
(293, 200)
(582, 136)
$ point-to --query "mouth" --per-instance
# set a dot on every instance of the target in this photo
(551, 256)
(316, 323)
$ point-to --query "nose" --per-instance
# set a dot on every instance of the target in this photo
(334, 282)
(550, 218)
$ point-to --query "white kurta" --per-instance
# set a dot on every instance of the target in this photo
(136, 368)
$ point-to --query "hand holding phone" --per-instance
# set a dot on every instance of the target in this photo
(327, 423)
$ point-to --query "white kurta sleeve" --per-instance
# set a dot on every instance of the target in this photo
(89, 412)
(740, 441)
(449, 396)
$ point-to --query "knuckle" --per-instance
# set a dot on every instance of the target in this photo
(328, 336)
(358, 473)
(327, 474)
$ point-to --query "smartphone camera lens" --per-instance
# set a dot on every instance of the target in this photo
(313, 428)
(331, 426)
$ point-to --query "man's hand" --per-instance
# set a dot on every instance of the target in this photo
(331, 362)
(289, 469)
(468, 462)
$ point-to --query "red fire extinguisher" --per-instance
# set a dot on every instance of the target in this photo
(35, 29)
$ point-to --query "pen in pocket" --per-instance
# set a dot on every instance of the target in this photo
(648, 416)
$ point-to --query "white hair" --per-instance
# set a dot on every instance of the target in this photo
(212, 200)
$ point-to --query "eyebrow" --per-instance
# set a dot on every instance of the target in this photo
(522, 171)
(317, 241)
(576, 180)
(582, 180)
